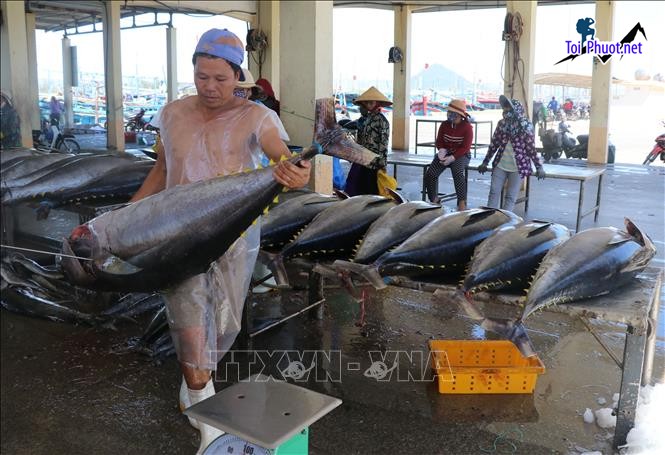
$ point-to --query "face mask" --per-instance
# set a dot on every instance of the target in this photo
(363, 110)
(452, 116)
(508, 115)
(240, 93)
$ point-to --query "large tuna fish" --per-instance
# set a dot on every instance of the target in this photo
(7, 155)
(445, 245)
(593, 262)
(73, 174)
(120, 182)
(167, 237)
(510, 256)
(395, 226)
(28, 164)
(337, 230)
(288, 218)
(28, 177)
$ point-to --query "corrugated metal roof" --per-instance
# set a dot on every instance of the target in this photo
(53, 15)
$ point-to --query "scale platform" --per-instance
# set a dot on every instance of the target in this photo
(263, 410)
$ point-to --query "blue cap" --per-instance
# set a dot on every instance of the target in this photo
(222, 44)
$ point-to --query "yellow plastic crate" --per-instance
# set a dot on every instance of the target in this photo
(484, 366)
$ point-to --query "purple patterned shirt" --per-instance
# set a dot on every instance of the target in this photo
(524, 147)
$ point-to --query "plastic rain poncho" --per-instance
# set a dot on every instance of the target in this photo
(205, 311)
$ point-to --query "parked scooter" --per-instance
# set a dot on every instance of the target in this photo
(555, 143)
(51, 139)
(657, 151)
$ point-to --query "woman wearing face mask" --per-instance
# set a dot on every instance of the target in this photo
(453, 143)
(244, 88)
(514, 145)
(373, 133)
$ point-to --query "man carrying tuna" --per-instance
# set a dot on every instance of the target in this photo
(203, 136)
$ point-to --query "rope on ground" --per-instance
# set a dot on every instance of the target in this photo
(503, 438)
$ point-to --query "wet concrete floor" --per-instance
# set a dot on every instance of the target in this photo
(63, 391)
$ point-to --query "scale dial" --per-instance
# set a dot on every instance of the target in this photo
(230, 444)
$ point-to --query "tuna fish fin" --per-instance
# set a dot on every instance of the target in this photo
(283, 158)
(396, 196)
(320, 200)
(271, 162)
(276, 200)
(479, 215)
(543, 227)
(425, 207)
(341, 194)
(113, 265)
(369, 272)
(382, 200)
(619, 237)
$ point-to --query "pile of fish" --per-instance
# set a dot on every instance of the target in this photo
(34, 290)
(488, 249)
(57, 179)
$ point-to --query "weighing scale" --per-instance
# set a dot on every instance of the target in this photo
(262, 416)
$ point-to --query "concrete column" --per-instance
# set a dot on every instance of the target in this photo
(32, 69)
(67, 82)
(268, 23)
(402, 80)
(601, 81)
(171, 64)
(306, 74)
(115, 136)
(521, 87)
(15, 73)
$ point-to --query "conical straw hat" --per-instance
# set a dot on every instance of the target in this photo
(372, 94)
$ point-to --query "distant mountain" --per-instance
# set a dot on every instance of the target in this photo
(438, 77)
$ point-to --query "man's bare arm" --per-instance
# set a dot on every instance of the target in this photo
(286, 173)
(156, 179)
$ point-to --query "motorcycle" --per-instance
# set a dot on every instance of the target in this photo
(555, 143)
(137, 122)
(657, 151)
(50, 139)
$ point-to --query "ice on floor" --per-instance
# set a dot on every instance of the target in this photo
(605, 419)
(647, 437)
(588, 416)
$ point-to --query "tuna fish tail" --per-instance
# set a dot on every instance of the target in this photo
(275, 262)
(44, 209)
(645, 254)
(369, 272)
(513, 331)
